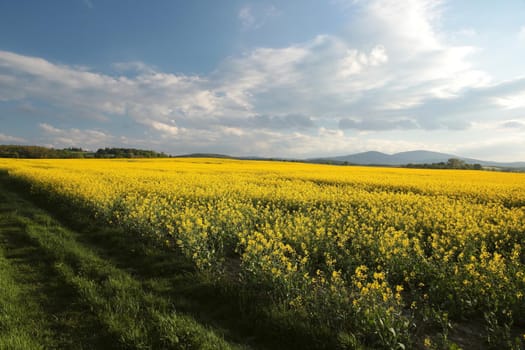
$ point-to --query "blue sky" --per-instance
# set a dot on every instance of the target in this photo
(297, 78)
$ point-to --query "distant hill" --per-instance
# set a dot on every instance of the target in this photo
(366, 158)
(204, 155)
(410, 157)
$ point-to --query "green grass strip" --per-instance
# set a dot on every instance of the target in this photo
(17, 327)
(137, 318)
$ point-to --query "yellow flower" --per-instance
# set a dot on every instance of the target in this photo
(427, 343)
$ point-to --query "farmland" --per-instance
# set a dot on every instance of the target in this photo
(340, 257)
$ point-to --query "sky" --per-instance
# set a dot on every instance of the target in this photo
(294, 78)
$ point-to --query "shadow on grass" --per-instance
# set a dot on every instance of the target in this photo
(60, 320)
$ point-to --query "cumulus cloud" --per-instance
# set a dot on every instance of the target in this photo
(88, 139)
(356, 61)
(166, 129)
(512, 101)
(11, 139)
(49, 129)
(409, 30)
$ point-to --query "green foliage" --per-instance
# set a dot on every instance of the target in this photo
(19, 151)
(452, 163)
(16, 327)
(127, 153)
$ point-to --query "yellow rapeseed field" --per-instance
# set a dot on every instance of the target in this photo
(353, 248)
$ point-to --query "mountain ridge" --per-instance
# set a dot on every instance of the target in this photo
(409, 157)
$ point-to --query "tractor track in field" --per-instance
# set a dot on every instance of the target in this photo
(49, 307)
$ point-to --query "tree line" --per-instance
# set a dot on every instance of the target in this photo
(452, 163)
(128, 153)
(19, 151)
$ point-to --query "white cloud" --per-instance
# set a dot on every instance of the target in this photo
(504, 148)
(38, 68)
(254, 16)
(246, 17)
(49, 129)
(11, 139)
(231, 131)
(87, 139)
(418, 53)
(165, 128)
(354, 62)
(512, 101)
(410, 24)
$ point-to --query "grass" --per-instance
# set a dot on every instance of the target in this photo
(16, 321)
(39, 310)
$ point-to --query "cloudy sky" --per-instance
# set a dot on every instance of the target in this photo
(294, 78)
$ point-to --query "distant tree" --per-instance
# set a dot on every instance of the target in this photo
(455, 163)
